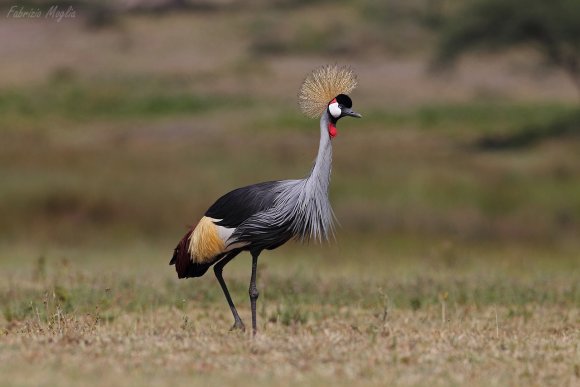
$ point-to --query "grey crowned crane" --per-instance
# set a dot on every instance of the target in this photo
(264, 216)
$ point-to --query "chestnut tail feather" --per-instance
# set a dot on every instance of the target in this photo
(184, 266)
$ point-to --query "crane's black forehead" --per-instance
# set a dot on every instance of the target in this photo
(344, 100)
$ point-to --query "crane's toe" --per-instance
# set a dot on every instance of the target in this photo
(238, 326)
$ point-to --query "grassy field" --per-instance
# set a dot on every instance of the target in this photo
(453, 316)
(454, 263)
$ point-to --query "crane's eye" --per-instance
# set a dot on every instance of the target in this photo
(334, 109)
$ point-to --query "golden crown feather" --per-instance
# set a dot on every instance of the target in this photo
(322, 85)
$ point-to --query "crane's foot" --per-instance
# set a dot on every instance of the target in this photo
(238, 326)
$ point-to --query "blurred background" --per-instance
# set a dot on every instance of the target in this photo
(121, 122)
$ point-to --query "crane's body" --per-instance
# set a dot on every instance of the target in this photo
(261, 216)
(264, 216)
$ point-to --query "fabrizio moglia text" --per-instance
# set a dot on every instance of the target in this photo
(53, 12)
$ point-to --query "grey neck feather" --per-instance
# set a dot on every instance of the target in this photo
(301, 207)
(315, 216)
(319, 178)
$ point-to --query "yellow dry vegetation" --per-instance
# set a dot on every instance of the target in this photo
(473, 346)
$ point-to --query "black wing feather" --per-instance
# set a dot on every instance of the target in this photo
(238, 205)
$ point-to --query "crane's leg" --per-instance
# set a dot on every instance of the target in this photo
(218, 268)
(254, 290)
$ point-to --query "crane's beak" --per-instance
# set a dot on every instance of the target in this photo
(350, 112)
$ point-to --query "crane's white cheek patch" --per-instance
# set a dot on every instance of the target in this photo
(334, 109)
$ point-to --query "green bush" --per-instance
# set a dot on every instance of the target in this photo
(551, 27)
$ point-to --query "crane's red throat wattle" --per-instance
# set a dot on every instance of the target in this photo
(332, 130)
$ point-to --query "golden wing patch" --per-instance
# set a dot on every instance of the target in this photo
(205, 242)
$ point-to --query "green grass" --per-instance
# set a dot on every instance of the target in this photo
(463, 120)
(70, 101)
(296, 283)
(96, 155)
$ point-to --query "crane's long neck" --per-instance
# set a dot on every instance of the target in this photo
(311, 213)
(320, 174)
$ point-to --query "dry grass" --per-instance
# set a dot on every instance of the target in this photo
(405, 321)
(475, 346)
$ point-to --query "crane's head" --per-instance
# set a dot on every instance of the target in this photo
(339, 107)
(324, 91)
